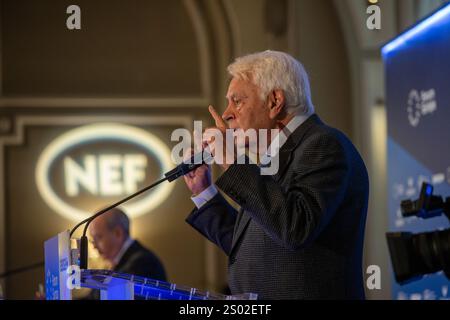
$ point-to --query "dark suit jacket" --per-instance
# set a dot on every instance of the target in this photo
(299, 234)
(140, 261)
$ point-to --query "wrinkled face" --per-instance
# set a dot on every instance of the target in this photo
(245, 107)
(107, 241)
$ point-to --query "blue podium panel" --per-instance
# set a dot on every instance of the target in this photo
(417, 71)
(57, 260)
(112, 285)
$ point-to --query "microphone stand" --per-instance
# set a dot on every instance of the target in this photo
(170, 176)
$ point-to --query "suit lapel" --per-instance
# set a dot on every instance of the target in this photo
(239, 227)
(284, 155)
(286, 151)
(126, 256)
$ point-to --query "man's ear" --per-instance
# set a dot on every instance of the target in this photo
(118, 232)
(277, 101)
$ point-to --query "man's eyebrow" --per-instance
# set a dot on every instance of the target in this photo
(233, 96)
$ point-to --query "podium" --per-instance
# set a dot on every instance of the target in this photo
(120, 286)
(62, 275)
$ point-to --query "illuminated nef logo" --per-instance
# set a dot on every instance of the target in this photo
(95, 165)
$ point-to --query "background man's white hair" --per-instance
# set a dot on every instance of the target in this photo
(271, 70)
(117, 218)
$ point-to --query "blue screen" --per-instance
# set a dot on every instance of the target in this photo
(417, 71)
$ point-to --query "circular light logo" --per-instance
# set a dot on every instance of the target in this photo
(107, 162)
(414, 108)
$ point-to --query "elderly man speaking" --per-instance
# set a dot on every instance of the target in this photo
(299, 232)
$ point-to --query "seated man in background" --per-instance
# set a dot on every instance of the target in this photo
(110, 234)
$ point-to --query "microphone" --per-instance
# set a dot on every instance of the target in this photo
(197, 160)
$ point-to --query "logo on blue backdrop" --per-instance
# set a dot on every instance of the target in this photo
(420, 104)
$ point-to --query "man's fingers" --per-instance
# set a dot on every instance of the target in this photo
(217, 118)
(191, 174)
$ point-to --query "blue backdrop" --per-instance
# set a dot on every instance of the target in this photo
(417, 65)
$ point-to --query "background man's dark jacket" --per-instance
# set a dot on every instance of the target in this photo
(140, 261)
(299, 234)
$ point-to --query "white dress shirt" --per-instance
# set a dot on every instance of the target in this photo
(122, 251)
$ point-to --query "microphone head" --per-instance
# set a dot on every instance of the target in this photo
(201, 157)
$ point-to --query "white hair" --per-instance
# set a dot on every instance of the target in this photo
(275, 70)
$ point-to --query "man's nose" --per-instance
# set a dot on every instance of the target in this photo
(228, 113)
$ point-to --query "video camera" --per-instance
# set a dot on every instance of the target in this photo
(414, 255)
